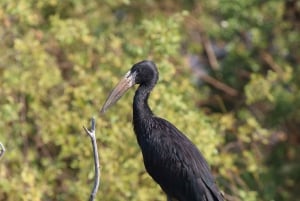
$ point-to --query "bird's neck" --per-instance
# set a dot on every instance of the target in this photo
(141, 110)
(142, 114)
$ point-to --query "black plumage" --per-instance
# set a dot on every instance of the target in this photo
(170, 158)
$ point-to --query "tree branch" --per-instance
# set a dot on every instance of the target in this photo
(212, 59)
(215, 83)
(92, 134)
(267, 57)
(2, 149)
(211, 56)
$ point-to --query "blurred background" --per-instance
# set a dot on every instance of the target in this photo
(229, 79)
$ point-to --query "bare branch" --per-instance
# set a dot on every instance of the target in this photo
(203, 37)
(92, 134)
(267, 57)
(215, 83)
(212, 59)
(2, 149)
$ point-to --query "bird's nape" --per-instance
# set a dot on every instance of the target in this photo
(126, 83)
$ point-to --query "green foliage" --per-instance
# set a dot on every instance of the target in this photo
(60, 59)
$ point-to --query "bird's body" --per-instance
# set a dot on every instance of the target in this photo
(170, 158)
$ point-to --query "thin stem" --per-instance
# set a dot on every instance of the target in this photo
(2, 149)
(92, 134)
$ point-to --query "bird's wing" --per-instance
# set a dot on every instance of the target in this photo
(195, 165)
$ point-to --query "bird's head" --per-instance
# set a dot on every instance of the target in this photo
(143, 73)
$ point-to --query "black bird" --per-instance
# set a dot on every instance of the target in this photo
(170, 158)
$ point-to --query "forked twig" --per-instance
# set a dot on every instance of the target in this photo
(92, 134)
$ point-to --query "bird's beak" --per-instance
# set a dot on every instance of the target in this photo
(127, 81)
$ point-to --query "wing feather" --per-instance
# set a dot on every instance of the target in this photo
(173, 160)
